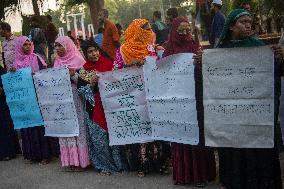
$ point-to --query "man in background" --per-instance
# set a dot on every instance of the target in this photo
(51, 33)
(110, 34)
(172, 13)
(246, 6)
(37, 36)
(8, 46)
(159, 28)
(218, 22)
(99, 37)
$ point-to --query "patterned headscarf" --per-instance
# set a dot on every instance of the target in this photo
(136, 41)
(230, 20)
(23, 60)
(72, 58)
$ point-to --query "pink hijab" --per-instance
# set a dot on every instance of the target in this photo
(72, 58)
(23, 60)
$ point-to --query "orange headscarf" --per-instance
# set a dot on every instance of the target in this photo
(136, 41)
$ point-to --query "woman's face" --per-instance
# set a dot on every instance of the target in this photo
(93, 54)
(242, 28)
(27, 47)
(184, 28)
(60, 50)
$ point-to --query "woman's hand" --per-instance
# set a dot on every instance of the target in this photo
(94, 80)
(198, 56)
(12, 69)
(72, 72)
(278, 52)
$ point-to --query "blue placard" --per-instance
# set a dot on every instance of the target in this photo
(21, 98)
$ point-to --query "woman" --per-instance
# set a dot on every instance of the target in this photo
(139, 40)
(7, 135)
(36, 147)
(248, 168)
(106, 159)
(191, 164)
(74, 150)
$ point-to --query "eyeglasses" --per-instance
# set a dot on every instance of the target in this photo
(184, 31)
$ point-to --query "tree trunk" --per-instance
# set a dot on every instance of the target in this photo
(36, 7)
(95, 7)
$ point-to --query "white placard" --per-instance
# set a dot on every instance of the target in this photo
(56, 102)
(281, 113)
(123, 97)
(239, 97)
(170, 89)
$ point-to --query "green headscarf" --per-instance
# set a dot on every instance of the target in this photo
(225, 42)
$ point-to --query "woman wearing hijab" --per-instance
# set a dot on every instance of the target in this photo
(7, 134)
(248, 168)
(36, 147)
(191, 164)
(106, 159)
(139, 40)
(74, 150)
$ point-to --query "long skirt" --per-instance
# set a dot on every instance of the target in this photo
(249, 168)
(104, 158)
(8, 142)
(192, 165)
(36, 146)
(74, 150)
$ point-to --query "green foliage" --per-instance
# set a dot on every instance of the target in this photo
(129, 10)
(59, 15)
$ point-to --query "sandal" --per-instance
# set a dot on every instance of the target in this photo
(200, 185)
(77, 169)
(141, 174)
(104, 173)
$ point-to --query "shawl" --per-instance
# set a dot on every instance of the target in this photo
(180, 43)
(72, 58)
(23, 60)
(136, 41)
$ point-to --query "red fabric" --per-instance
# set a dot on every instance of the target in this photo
(102, 65)
(191, 164)
(180, 43)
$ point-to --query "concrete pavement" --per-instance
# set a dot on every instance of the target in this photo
(20, 174)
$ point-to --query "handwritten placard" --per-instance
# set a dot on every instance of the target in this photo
(56, 102)
(123, 97)
(239, 97)
(21, 98)
(170, 93)
(282, 109)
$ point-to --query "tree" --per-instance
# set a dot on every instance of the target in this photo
(36, 7)
(6, 4)
(94, 5)
(59, 15)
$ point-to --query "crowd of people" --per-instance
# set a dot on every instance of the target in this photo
(193, 165)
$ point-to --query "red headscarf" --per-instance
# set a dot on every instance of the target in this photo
(180, 43)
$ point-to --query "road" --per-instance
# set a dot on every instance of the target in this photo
(21, 174)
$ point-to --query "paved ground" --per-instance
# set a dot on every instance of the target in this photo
(20, 174)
